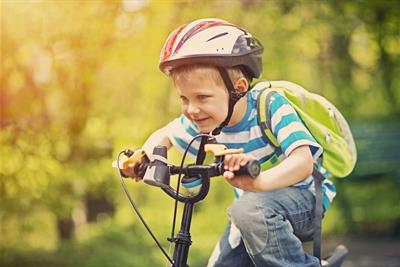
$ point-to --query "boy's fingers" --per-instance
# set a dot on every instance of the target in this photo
(132, 165)
(134, 171)
(247, 159)
(244, 161)
(227, 161)
(236, 163)
(124, 172)
(229, 175)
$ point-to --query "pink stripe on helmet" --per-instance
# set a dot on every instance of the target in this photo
(196, 29)
(170, 43)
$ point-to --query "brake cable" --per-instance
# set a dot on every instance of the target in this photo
(137, 210)
(170, 239)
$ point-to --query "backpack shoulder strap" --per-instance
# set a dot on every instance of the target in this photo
(264, 120)
(318, 213)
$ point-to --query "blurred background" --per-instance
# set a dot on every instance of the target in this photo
(80, 82)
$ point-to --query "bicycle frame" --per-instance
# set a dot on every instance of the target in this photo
(158, 174)
(183, 239)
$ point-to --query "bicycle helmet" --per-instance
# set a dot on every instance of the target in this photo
(214, 42)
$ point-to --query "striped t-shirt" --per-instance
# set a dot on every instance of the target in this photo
(247, 134)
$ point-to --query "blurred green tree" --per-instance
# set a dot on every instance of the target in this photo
(80, 81)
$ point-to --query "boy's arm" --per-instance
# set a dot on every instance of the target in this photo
(159, 137)
(295, 168)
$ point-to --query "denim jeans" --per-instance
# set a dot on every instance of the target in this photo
(265, 230)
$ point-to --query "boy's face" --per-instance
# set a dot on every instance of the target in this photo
(203, 102)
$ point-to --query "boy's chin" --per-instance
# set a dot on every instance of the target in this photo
(206, 130)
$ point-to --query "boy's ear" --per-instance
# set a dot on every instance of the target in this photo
(242, 85)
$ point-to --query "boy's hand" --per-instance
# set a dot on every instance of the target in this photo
(135, 170)
(135, 166)
(233, 163)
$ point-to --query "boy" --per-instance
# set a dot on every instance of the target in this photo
(212, 63)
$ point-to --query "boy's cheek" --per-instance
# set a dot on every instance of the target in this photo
(184, 110)
(186, 114)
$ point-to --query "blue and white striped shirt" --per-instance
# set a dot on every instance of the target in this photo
(247, 134)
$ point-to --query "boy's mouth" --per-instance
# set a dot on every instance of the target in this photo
(200, 121)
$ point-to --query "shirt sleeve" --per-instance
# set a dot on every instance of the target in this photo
(181, 131)
(289, 129)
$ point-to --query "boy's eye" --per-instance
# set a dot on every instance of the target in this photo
(203, 97)
(184, 99)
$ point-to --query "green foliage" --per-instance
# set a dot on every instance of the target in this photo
(123, 240)
(114, 247)
(80, 82)
(368, 207)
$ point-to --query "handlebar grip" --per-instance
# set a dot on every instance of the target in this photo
(252, 168)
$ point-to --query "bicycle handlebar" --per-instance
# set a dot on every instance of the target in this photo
(251, 169)
(158, 173)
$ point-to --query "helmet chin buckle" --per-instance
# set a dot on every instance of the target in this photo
(235, 95)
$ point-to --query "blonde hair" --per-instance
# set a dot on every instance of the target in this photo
(206, 72)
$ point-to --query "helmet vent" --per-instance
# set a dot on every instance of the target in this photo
(217, 36)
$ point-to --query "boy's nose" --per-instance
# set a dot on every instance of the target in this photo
(193, 109)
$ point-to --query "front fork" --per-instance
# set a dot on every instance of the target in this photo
(183, 239)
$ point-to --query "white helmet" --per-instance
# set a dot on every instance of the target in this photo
(214, 42)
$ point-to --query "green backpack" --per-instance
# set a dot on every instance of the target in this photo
(323, 120)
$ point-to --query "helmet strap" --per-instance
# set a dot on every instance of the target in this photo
(234, 97)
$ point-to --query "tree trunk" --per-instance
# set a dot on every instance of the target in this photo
(65, 227)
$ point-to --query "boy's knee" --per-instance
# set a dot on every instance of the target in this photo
(252, 222)
(248, 216)
(241, 212)
(251, 205)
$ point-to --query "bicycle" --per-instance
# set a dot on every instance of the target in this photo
(157, 172)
